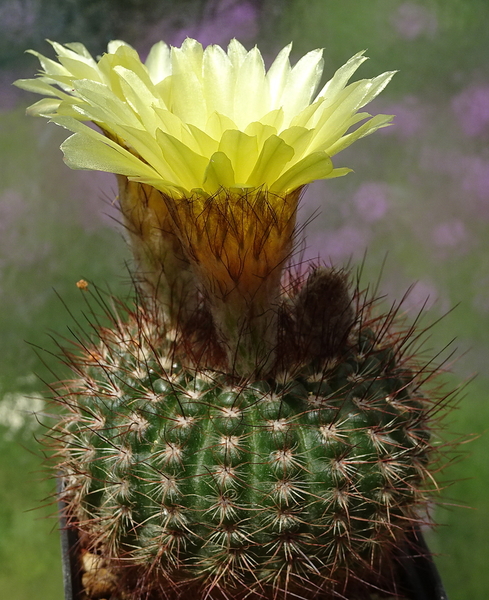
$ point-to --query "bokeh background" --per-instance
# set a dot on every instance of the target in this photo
(415, 213)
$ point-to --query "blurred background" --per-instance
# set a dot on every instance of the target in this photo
(415, 212)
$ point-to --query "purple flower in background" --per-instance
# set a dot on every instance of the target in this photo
(18, 17)
(467, 174)
(13, 210)
(480, 300)
(411, 20)
(370, 201)
(450, 233)
(471, 108)
(221, 23)
(409, 118)
(337, 246)
(423, 294)
(475, 176)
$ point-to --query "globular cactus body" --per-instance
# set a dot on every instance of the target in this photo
(189, 479)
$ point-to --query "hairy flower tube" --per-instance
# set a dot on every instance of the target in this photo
(212, 151)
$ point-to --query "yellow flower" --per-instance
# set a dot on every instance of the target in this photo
(191, 120)
(212, 152)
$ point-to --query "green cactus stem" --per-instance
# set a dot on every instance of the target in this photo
(186, 479)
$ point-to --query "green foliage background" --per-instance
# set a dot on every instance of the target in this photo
(428, 176)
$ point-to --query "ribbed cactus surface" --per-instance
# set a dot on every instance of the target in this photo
(301, 483)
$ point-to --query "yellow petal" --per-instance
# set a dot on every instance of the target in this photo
(261, 131)
(274, 156)
(80, 65)
(140, 98)
(188, 166)
(44, 108)
(312, 167)
(307, 116)
(204, 144)
(158, 62)
(237, 53)
(144, 145)
(298, 138)
(335, 119)
(252, 99)
(340, 172)
(40, 86)
(170, 123)
(242, 151)
(274, 119)
(372, 125)
(114, 45)
(124, 56)
(301, 84)
(79, 49)
(99, 96)
(49, 66)
(341, 77)
(217, 124)
(148, 149)
(219, 173)
(218, 81)
(376, 85)
(278, 75)
(188, 101)
(84, 152)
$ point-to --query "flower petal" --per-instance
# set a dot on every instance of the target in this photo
(219, 173)
(44, 108)
(377, 84)
(114, 45)
(367, 128)
(217, 124)
(158, 62)
(40, 86)
(274, 119)
(274, 156)
(188, 166)
(79, 65)
(242, 151)
(251, 100)
(278, 75)
(188, 101)
(139, 97)
(99, 96)
(261, 131)
(79, 49)
(218, 76)
(87, 153)
(298, 138)
(302, 82)
(341, 77)
(237, 53)
(50, 67)
(314, 166)
(205, 144)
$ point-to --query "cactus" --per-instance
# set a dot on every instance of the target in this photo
(192, 480)
(241, 431)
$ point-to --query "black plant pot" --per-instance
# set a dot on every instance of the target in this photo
(417, 573)
(418, 577)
